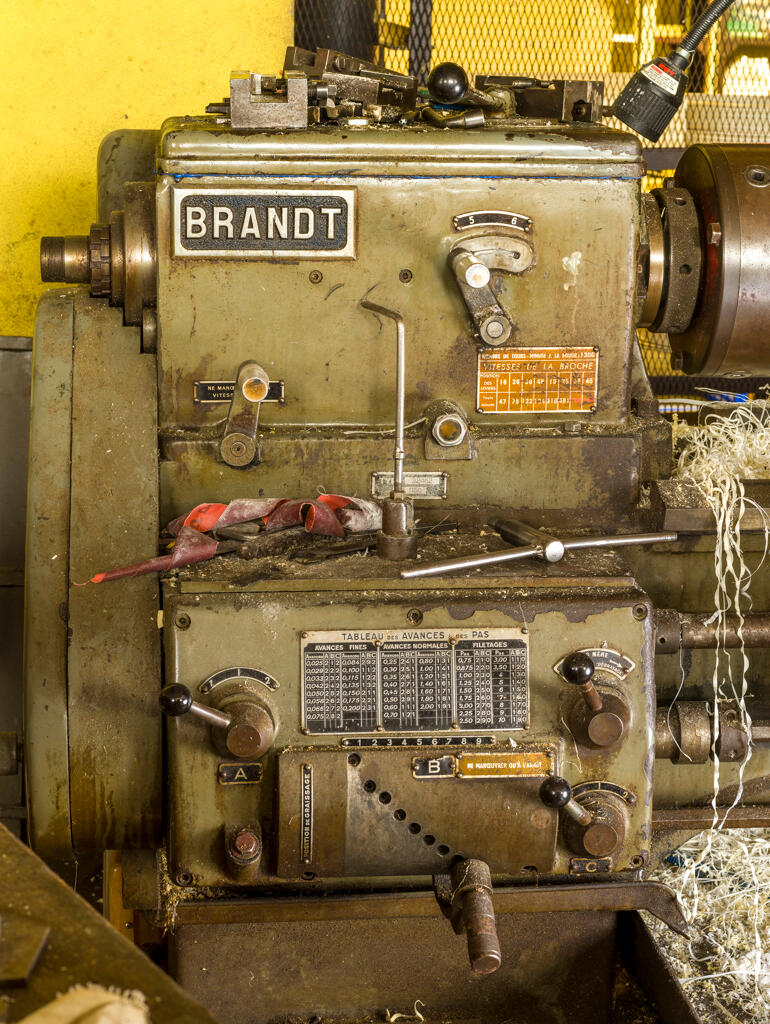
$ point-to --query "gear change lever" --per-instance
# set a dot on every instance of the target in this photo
(398, 538)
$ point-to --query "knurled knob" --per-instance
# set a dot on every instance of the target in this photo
(99, 260)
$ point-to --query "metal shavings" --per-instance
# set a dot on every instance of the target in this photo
(725, 966)
(723, 877)
(414, 1015)
(717, 458)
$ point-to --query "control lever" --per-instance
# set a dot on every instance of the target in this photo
(398, 538)
(448, 84)
(246, 732)
(472, 259)
(488, 316)
(239, 445)
(535, 548)
(597, 832)
(556, 793)
(578, 668)
(465, 897)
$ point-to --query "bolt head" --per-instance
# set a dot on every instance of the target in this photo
(245, 844)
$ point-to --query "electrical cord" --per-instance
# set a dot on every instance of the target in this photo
(702, 24)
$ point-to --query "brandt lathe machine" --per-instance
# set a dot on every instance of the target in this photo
(433, 758)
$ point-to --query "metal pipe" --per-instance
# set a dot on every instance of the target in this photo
(472, 562)
(535, 550)
(618, 541)
(695, 632)
(398, 453)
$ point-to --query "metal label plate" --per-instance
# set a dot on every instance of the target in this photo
(537, 380)
(604, 658)
(416, 485)
(415, 680)
(492, 764)
(234, 773)
(491, 218)
(306, 819)
(207, 392)
(253, 223)
(392, 742)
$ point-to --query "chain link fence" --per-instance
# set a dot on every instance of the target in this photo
(728, 96)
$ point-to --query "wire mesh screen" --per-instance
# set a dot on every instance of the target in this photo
(727, 98)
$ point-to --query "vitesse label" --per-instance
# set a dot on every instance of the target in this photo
(258, 223)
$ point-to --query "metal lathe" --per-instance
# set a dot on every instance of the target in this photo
(436, 755)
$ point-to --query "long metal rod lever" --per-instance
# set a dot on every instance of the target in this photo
(537, 550)
(398, 454)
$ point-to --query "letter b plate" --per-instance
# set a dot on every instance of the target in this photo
(256, 223)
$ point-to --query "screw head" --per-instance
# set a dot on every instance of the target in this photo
(405, 276)
(245, 844)
(182, 621)
(315, 277)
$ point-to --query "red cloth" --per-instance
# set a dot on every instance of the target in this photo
(329, 515)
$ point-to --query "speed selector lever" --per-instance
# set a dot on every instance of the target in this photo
(602, 718)
(246, 730)
(595, 831)
(556, 793)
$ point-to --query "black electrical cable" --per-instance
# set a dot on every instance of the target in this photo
(701, 26)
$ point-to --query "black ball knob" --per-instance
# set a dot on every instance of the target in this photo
(447, 83)
(578, 668)
(555, 792)
(175, 700)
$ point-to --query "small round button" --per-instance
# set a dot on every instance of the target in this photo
(447, 83)
(175, 700)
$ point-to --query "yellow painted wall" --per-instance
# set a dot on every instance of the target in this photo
(74, 71)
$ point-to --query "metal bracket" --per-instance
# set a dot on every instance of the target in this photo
(252, 105)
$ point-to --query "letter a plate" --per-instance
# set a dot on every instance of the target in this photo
(259, 223)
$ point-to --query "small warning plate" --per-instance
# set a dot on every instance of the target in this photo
(493, 765)
(537, 380)
(490, 765)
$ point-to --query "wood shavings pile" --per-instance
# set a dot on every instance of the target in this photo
(722, 877)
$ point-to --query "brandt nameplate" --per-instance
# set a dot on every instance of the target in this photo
(258, 223)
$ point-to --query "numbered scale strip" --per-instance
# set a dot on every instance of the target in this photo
(413, 681)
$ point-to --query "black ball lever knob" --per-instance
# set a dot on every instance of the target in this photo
(555, 792)
(175, 700)
(447, 83)
(578, 668)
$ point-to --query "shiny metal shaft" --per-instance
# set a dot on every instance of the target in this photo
(473, 561)
(617, 541)
(398, 452)
(534, 551)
